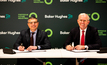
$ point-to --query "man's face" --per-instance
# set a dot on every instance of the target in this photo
(83, 21)
(33, 24)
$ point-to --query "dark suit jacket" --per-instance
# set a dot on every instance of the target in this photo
(41, 39)
(92, 38)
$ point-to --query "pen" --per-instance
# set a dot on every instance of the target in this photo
(72, 44)
(22, 45)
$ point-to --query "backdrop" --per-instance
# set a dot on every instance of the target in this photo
(56, 17)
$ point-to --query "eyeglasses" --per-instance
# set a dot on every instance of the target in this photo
(32, 22)
(83, 20)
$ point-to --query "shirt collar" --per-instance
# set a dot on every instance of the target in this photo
(34, 31)
(84, 30)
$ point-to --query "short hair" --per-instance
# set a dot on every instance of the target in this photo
(83, 14)
(32, 17)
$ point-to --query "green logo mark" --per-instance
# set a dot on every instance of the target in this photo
(48, 63)
(85, 1)
(23, 1)
(51, 32)
(70, 16)
(97, 14)
(33, 13)
(26, 16)
(48, 3)
(7, 16)
(45, 1)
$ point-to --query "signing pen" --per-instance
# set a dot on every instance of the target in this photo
(72, 44)
(22, 45)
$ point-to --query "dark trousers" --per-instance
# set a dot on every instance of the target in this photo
(29, 61)
(88, 61)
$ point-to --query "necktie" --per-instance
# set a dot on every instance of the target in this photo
(31, 39)
(82, 38)
(82, 43)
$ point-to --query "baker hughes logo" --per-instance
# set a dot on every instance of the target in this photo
(7, 16)
(49, 32)
(9, 32)
(48, 2)
(69, 16)
(100, 32)
(84, 1)
(13, 1)
(26, 16)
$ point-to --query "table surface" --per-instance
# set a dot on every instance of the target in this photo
(54, 53)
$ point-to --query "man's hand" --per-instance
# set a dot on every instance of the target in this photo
(79, 47)
(30, 48)
(21, 48)
(69, 47)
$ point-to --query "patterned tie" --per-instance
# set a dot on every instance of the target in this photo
(31, 39)
(82, 38)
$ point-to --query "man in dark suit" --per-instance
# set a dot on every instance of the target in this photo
(40, 40)
(91, 38)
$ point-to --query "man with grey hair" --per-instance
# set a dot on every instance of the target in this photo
(84, 37)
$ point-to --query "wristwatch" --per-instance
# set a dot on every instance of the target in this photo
(38, 47)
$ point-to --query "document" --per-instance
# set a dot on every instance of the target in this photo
(85, 50)
(26, 51)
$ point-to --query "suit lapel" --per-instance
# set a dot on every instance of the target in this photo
(87, 34)
(28, 36)
(78, 35)
(76, 38)
(38, 37)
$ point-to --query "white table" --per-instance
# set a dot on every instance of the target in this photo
(90, 54)
(34, 54)
(53, 53)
